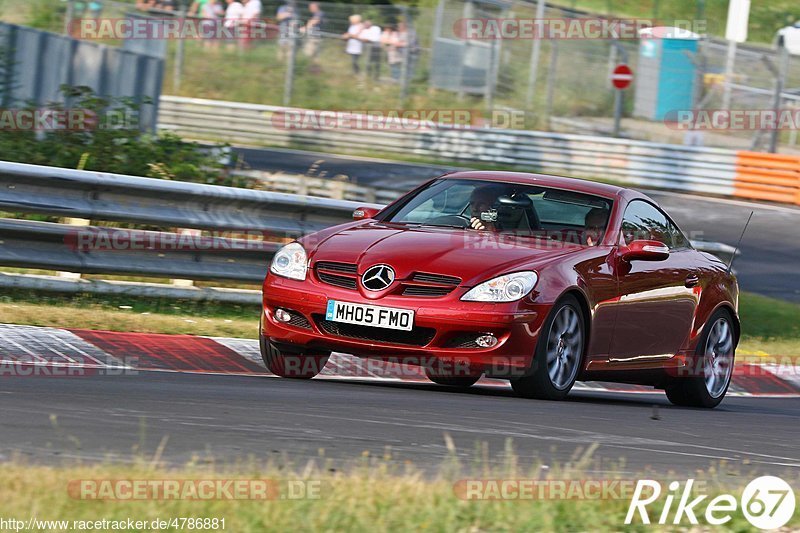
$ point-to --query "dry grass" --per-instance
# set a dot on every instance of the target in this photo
(374, 497)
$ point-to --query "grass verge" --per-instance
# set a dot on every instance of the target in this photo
(771, 328)
(374, 497)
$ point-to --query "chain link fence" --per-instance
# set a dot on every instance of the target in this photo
(420, 62)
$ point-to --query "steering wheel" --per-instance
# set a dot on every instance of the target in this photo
(450, 220)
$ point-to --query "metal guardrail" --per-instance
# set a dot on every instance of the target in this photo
(110, 197)
(119, 198)
(49, 246)
(665, 166)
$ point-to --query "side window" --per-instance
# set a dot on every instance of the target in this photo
(679, 240)
(643, 221)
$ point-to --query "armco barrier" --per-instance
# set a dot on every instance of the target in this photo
(770, 177)
(647, 164)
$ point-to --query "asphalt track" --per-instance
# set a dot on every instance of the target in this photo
(233, 418)
(770, 259)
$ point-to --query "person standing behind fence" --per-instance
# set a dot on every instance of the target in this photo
(371, 36)
(390, 41)
(354, 46)
(233, 16)
(407, 47)
(313, 31)
(252, 18)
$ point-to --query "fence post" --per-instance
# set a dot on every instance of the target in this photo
(68, 18)
(405, 72)
(177, 68)
(288, 82)
(780, 80)
(535, 54)
(551, 74)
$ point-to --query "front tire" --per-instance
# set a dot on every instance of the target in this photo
(558, 356)
(291, 365)
(461, 382)
(715, 354)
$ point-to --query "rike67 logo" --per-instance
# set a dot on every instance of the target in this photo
(767, 502)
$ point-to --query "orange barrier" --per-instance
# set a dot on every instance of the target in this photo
(771, 177)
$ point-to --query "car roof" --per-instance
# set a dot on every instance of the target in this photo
(546, 180)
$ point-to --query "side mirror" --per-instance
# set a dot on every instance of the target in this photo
(363, 213)
(643, 250)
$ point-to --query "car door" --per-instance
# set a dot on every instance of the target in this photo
(657, 299)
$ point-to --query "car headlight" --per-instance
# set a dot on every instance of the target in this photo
(290, 262)
(506, 288)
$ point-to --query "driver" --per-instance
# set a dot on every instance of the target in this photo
(482, 208)
(594, 226)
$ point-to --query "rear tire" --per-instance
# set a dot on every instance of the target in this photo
(559, 354)
(715, 355)
(291, 365)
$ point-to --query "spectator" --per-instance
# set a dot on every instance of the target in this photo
(211, 11)
(252, 10)
(313, 30)
(286, 25)
(407, 38)
(371, 35)
(233, 14)
(196, 8)
(251, 18)
(354, 46)
(391, 41)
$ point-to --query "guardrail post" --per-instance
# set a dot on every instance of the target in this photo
(73, 222)
(186, 282)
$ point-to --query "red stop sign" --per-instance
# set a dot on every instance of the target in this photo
(622, 76)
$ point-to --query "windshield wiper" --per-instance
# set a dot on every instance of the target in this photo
(423, 225)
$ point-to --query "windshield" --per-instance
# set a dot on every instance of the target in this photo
(525, 210)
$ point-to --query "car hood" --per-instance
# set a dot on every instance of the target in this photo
(473, 256)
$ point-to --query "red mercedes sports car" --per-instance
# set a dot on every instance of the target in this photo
(540, 280)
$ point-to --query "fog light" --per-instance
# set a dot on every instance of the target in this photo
(486, 341)
(282, 315)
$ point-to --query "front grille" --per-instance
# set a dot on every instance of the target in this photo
(337, 274)
(346, 268)
(430, 292)
(416, 337)
(422, 277)
(339, 281)
(430, 285)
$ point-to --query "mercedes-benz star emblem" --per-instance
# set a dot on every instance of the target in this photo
(377, 277)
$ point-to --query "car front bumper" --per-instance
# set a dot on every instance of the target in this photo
(442, 327)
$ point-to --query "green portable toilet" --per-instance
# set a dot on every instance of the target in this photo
(665, 76)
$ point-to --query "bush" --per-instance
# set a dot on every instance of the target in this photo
(112, 143)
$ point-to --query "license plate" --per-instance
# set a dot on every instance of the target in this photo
(370, 315)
